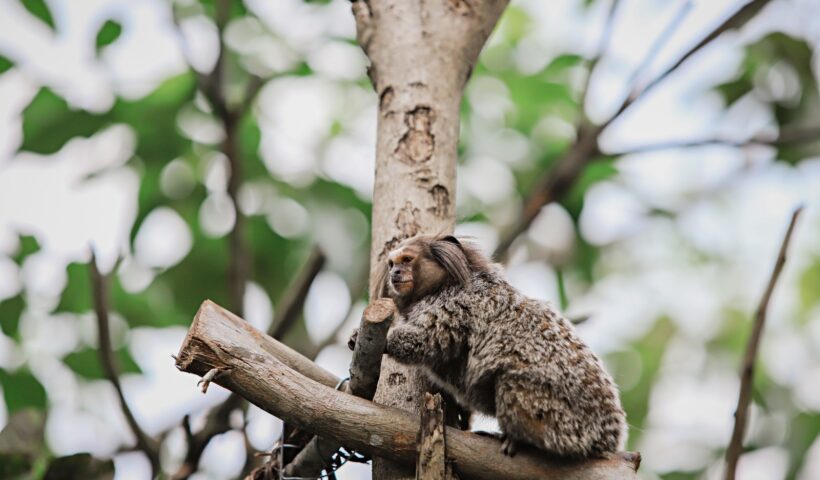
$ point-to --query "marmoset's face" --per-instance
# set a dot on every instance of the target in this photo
(400, 264)
(414, 268)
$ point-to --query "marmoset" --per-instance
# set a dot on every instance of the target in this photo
(499, 352)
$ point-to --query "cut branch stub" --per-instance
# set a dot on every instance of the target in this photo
(364, 376)
(259, 369)
(367, 354)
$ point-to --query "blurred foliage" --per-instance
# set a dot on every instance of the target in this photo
(170, 299)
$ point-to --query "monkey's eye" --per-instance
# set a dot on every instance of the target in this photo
(390, 264)
(406, 260)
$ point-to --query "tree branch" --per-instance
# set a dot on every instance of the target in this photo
(735, 21)
(599, 52)
(559, 179)
(99, 291)
(786, 137)
(554, 184)
(659, 43)
(294, 298)
(747, 371)
(364, 376)
(250, 367)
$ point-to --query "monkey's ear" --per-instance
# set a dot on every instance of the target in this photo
(451, 239)
(452, 258)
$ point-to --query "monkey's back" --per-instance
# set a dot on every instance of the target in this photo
(525, 364)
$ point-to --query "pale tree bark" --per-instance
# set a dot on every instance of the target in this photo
(422, 53)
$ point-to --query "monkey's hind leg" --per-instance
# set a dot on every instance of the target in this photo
(516, 413)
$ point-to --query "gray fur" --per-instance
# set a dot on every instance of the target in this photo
(503, 354)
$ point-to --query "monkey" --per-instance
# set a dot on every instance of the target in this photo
(497, 351)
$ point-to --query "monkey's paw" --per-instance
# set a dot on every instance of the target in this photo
(508, 446)
(351, 342)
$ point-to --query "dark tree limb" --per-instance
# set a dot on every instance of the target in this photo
(294, 298)
(364, 377)
(747, 370)
(99, 291)
(251, 367)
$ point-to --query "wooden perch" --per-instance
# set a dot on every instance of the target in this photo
(291, 387)
(364, 376)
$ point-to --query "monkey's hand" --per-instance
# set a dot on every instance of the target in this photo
(407, 344)
(351, 342)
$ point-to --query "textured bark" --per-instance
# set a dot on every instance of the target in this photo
(432, 463)
(421, 53)
(283, 383)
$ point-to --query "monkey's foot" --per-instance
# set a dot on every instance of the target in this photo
(507, 446)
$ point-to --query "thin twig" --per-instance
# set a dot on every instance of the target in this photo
(99, 292)
(735, 21)
(786, 137)
(746, 373)
(238, 272)
(216, 423)
(559, 180)
(660, 42)
(599, 52)
(294, 298)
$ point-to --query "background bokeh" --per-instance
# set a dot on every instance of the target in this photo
(107, 141)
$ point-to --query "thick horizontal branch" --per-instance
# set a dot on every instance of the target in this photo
(268, 375)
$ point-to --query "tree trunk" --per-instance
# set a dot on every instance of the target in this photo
(421, 53)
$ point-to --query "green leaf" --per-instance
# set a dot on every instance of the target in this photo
(49, 122)
(10, 311)
(650, 350)
(5, 64)
(109, 33)
(597, 171)
(76, 297)
(80, 465)
(39, 9)
(86, 363)
(153, 118)
(21, 390)
(155, 306)
(810, 286)
(515, 23)
(28, 245)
